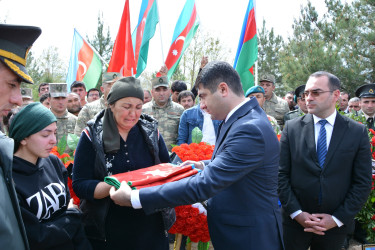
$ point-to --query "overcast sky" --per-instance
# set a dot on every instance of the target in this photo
(222, 18)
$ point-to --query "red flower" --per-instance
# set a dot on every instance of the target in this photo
(194, 151)
(191, 223)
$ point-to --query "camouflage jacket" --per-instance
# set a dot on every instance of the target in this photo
(87, 113)
(65, 124)
(293, 114)
(168, 118)
(277, 108)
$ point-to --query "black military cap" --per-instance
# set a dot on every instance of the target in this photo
(298, 92)
(367, 90)
(15, 43)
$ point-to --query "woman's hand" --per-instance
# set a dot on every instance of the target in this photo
(102, 190)
(197, 164)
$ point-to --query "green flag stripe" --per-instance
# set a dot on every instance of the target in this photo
(188, 39)
(149, 31)
(246, 59)
(93, 72)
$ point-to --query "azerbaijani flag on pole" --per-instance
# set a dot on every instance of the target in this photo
(143, 32)
(85, 65)
(247, 51)
(184, 32)
(122, 59)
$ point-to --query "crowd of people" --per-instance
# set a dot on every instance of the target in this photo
(319, 170)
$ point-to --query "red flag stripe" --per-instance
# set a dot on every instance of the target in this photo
(85, 56)
(122, 59)
(140, 30)
(179, 44)
(251, 29)
(252, 70)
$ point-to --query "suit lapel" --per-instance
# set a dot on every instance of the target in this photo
(309, 133)
(338, 132)
(218, 139)
(225, 126)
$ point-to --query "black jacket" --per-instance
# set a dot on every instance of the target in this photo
(9, 238)
(95, 211)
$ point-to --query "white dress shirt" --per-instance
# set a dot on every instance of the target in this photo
(329, 129)
(134, 195)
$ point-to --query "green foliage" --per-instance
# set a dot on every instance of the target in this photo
(61, 145)
(340, 42)
(52, 66)
(103, 44)
(196, 135)
(102, 41)
(47, 68)
(203, 44)
(36, 73)
(269, 46)
(72, 141)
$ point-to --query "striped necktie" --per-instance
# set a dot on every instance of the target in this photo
(322, 143)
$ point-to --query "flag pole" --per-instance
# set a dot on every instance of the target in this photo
(256, 73)
(161, 40)
(97, 53)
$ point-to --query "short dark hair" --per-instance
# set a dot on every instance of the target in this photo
(216, 72)
(77, 84)
(290, 92)
(43, 97)
(345, 93)
(333, 81)
(41, 85)
(93, 89)
(178, 86)
(184, 94)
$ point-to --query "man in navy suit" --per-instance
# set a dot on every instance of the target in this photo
(240, 181)
(325, 170)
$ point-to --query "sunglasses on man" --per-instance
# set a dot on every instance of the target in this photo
(314, 93)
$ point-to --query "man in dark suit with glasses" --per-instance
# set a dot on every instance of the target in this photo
(325, 170)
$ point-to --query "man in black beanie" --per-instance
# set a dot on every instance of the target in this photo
(15, 42)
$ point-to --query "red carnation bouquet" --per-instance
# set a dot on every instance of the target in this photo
(67, 143)
(367, 214)
(191, 220)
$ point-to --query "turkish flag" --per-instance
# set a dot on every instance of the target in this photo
(152, 176)
(122, 59)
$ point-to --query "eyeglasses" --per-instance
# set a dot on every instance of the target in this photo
(314, 93)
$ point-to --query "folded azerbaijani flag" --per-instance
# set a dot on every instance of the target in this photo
(152, 176)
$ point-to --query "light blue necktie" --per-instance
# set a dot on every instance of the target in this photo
(322, 143)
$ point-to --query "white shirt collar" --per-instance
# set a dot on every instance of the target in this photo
(366, 116)
(330, 119)
(235, 109)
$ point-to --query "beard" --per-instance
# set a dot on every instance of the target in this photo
(74, 109)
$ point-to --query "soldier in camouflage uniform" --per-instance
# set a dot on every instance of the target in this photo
(27, 96)
(258, 93)
(65, 120)
(166, 112)
(300, 100)
(89, 111)
(274, 105)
